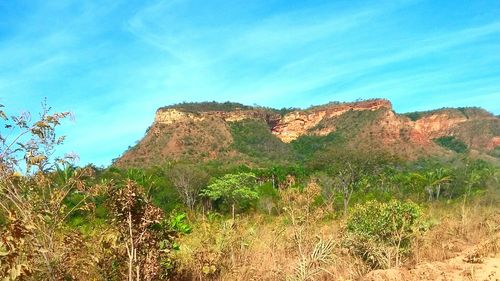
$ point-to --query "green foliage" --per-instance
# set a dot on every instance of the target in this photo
(279, 176)
(382, 221)
(235, 189)
(155, 181)
(471, 112)
(54, 218)
(285, 110)
(338, 103)
(178, 223)
(349, 170)
(370, 191)
(452, 143)
(306, 146)
(381, 233)
(267, 190)
(254, 138)
(206, 106)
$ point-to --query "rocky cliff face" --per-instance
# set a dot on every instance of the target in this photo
(206, 132)
(298, 123)
(288, 127)
(437, 125)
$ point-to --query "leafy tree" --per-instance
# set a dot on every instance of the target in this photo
(235, 189)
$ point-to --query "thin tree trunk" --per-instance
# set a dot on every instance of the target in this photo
(232, 207)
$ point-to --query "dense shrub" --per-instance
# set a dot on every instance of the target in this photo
(381, 233)
(233, 189)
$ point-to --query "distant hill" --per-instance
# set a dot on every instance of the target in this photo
(237, 133)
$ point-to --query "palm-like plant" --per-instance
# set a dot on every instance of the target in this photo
(433, 181)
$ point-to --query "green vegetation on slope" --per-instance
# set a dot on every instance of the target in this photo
(306, 146)
(452, 143)
(351, 123)
(468, 112)
(254, 138)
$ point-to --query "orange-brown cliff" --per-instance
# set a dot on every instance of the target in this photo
(206, 130)
(297, 123)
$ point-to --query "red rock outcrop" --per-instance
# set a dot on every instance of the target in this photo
(495, 142)
(297, 123)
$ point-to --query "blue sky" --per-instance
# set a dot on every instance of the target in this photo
(113, 63)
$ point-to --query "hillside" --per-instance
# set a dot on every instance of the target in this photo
(243, 134)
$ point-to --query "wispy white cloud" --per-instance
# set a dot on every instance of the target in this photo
(300, 71)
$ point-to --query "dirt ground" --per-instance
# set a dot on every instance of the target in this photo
(453, 269)
(470, 265)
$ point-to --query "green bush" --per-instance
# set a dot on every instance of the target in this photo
(178, 223)
(382, 233)
(234, 189)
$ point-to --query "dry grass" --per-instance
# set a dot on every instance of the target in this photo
(301, 244)
(457, 228)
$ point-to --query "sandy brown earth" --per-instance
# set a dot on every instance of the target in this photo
(474, 264)
(453, 269)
